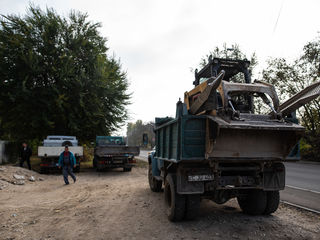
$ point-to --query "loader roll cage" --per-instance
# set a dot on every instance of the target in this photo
(230, 66)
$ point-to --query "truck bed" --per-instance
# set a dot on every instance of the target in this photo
(203, 138)
(116, 150)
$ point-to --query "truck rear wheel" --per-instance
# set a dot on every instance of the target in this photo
(192, 206)
(94, 162)
(254, 202)
(77, 169)
(43, 170)
(127, 169)
(154, 184)
(175, 203)
(273, 199)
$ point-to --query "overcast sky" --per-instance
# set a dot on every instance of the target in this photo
(159, 41)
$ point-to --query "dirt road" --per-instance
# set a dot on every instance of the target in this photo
(119, 205)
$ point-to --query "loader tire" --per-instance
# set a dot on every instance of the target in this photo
(192, 206)
(254, 202)
(154, 184)
(273, 199)
(175, 203)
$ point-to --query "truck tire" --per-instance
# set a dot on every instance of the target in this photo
(127, 169)
(77, 169)
(273, 199)
(192, 206)
(253, 202)
(154, 184)
(175, 203)
(94, 162)
(43, 170)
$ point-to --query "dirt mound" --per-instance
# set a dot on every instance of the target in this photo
(18, 176)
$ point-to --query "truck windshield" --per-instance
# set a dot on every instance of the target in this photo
(103, 142)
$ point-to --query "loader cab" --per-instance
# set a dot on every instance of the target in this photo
(235, 71)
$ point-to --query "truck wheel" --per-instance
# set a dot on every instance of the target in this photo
(94, 162)
(43, 170)
(254, 202)
(77, 169)
(192, 206)
(273, 199)
(127, 169)
(154, 184)
(175, 203)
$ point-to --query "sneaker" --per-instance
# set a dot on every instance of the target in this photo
(74, 180)
(67, 183)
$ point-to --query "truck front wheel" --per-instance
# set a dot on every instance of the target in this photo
(154, 184)
(253, 202)
(273, 199)
(175, 203)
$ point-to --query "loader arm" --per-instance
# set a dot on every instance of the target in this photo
(204, 93)
(303, 97)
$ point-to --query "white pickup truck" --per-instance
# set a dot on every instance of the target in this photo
(53, 146)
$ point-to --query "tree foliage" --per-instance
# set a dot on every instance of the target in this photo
(230, 53)
(291, 77)
(135, 131)
(57, 78)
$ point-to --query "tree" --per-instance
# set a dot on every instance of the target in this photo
(57, 78)
(136, 130)
(231, 53)
(291, 77)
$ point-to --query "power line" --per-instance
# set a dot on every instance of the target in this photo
(276, 24)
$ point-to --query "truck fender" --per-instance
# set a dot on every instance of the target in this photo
(155, 166)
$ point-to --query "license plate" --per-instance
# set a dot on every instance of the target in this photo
(197, 178)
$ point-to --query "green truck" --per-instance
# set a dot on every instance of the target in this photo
(218, 148)
(112, 152)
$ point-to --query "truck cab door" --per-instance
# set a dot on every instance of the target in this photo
(301, 98)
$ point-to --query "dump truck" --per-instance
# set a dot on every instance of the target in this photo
(53, 146)
(112, 152)
(218, 148)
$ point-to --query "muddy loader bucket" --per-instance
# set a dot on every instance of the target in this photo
(241, 140)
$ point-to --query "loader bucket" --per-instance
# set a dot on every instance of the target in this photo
(241, 140)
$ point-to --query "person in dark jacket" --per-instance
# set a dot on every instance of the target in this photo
(25, 155)
(67, 161)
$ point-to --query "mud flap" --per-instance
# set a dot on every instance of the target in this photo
(274, 177)
(155, 163)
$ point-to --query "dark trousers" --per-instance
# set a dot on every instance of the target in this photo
(28, 162)
(68, 170)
